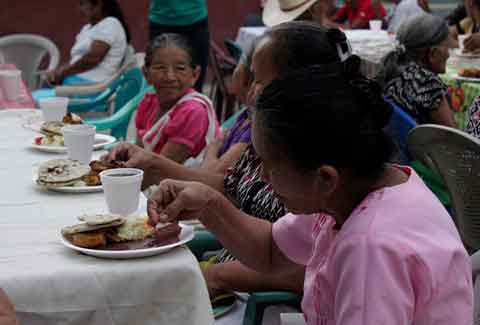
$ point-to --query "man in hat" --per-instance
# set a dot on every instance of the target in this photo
(279, 11)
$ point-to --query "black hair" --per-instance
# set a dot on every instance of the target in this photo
(169, 39)
(299, 44)
(111, 8)
(316, 116)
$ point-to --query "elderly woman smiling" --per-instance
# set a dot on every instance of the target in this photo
(410, 74)
(377, 245)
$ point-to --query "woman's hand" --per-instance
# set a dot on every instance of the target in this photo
(214, 284)
(55, 77)
(472, 43)
(133, 156)
(177, 200)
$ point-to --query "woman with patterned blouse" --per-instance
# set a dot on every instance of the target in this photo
(410, 73)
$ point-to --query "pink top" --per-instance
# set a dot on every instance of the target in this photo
(398, 259)
(188, 123)
(25, 100)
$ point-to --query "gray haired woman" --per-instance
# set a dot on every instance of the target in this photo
(410, 73)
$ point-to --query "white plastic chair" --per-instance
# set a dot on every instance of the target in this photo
(27, 51)
(456, 156)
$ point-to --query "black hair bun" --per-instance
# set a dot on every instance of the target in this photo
(377, 112)
(351, 66)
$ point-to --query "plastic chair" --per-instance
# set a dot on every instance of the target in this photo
(456, 155)
(398, 127)
(234, 49)
(221, 93)
(230, 122)
(118, 122)
(257, 301)
(27, 52)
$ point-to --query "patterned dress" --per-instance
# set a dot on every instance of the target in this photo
(252, 195)
(473, 124)
(416, 90)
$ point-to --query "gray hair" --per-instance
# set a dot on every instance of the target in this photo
(415, 37)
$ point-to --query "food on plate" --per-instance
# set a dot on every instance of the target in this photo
(66, 172)
(53, 130)
(113, 232)
(61, 172)
(98, 166)
(469, 73)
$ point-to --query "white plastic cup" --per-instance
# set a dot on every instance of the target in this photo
(10, 82)
(375, 25)
(53, 108)
(79, 140)
(461, 41)
(122, 189)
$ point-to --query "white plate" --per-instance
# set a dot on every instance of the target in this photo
(70, 189)
(466, 79)
(100, 141)
(187, 233)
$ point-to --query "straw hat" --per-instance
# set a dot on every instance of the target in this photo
(279, 11)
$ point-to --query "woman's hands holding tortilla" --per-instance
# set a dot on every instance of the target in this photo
(177, 200)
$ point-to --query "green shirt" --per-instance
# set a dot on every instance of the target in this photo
(177, 12)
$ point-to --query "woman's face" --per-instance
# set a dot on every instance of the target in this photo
(439, 55)
(171, 74)
(263, 69)
(91, 13)
(240, 82)
(300, 191)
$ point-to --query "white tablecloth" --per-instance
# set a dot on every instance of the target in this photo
(370, 46)
(50, 284)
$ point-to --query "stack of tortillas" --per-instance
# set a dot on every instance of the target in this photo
(61, 172)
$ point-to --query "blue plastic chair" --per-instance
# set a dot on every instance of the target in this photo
(124, 88)
(233, 49)
(400, 124)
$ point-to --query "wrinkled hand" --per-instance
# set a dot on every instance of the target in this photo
(472, 43)
(177, 200)
(214, 284)
(55, 77)
(133, 155)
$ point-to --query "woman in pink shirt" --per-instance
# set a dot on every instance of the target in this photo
(176, 121)
(378, 247)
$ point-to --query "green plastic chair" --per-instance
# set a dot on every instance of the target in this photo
(205, 241)
(118, 121)
(228, 124)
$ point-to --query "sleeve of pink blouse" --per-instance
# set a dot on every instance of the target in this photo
(188, 126)
(293, 236)
(141, 116)
(374, 283)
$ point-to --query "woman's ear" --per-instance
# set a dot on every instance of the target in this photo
(146, 74)
(196, 74)
(328, 179)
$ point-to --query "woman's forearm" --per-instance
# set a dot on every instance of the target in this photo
(249, 239)
(234, 276)
(161, 168)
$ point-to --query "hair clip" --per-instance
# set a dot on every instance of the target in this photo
(344, 50)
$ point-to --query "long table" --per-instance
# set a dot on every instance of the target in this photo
(51, 284)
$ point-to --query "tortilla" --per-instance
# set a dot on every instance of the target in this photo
(84, 227)
(52, 128)
(100, 219)
(56, 171)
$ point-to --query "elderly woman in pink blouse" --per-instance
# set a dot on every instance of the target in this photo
(378, 247)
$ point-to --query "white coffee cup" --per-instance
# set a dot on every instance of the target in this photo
(375, 25)
(53, 108)
(122, 189)
(10, 82)
(79, 140)
(461, 41)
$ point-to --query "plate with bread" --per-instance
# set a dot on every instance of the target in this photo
(71, 176)
(52, 138)
(119, 237)
(468, 74)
